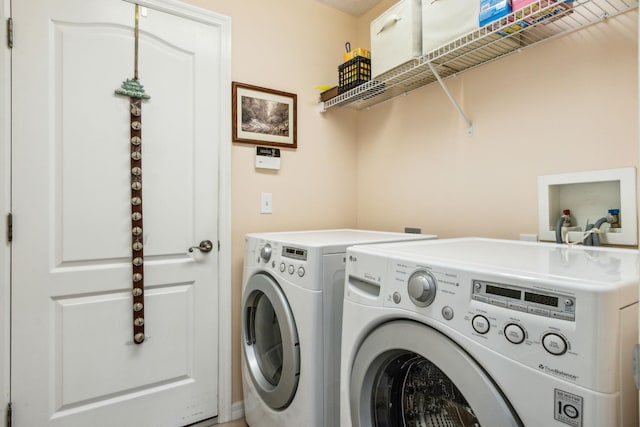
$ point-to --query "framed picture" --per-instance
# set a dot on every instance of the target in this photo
(263, 116)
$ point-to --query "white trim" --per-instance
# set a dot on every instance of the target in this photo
(208, 17)
(237, 413)
(5, 203)
(237, 410)
(225, 317)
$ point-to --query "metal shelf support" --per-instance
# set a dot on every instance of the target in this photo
(452, 99)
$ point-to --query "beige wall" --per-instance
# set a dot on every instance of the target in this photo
(292, 46)
(567, 105)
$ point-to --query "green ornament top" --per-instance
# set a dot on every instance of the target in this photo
(133, 89)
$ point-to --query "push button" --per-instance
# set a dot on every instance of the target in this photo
(397, 297)
(554, 344)
(480, 324)
(447, 312)
(514, 333)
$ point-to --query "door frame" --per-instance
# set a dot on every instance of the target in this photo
(5, 202)
(178, 8)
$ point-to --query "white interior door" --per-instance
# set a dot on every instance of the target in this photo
(74, 362)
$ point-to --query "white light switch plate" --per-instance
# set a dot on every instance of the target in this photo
(266, 203)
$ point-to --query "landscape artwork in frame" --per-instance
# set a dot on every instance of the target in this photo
(263, 116)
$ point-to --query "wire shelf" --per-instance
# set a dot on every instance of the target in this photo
(499, 38)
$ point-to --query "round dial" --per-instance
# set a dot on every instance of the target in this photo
(514, 333)
(480, 324)
(555, 344)
(422, 288)
(265, 253)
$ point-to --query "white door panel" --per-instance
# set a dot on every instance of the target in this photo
(74, 361)
(120, 372)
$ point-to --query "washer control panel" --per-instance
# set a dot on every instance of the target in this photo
(526, 300)
(522, 322)
(559, 324)
(292, 262)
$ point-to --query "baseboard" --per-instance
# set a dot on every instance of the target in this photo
(237, 413)
(237, 410)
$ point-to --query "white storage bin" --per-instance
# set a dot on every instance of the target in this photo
(446, 20)
(396, 36)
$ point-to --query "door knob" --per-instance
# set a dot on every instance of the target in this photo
(205, 246)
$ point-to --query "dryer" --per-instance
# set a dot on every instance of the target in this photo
(466, 332)
(293, 288)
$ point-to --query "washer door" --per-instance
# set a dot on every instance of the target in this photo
(408, 374)
(270, 341)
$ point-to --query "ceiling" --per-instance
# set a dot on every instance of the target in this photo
(352, 7)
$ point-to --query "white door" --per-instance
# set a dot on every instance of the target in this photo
(74, 362)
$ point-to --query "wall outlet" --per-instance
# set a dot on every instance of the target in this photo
(266, 203)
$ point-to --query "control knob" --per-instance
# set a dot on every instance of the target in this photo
(514, 333)
(265, 253)
(422, 288)
(555, 344)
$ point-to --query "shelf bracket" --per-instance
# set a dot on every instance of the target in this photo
(452, 99)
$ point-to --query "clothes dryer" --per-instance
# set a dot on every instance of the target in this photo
(293, 288)
(468, 332)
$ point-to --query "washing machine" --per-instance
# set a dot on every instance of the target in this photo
(293, 288)
(492, 333)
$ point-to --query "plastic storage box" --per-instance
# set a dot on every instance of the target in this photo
(353, 73)
(519, 4)
(445, 21)
(490, 10)
(396, 36)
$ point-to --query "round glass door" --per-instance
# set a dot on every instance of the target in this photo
(270, 340)
(408, 374)
(426, 396)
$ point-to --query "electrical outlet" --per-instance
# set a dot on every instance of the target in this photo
(266, 205)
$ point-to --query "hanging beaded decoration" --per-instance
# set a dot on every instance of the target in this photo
(132, 89)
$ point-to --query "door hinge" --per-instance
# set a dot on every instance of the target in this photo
(9, 411)
(10, 227)
(10, 33)
(218, 245)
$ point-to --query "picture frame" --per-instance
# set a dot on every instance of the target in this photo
(264, 116)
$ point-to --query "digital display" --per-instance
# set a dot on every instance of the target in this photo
(296, 253)
(541, 299)
(503, 292)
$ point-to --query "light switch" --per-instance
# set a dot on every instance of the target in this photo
(266, 203)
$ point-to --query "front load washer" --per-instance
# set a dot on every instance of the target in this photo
(492, 333)
(293, 288)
